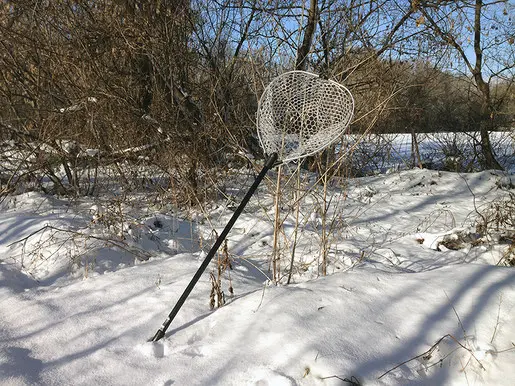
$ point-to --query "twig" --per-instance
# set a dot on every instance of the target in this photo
(464, 372)
(427, 354)
(485, 223)
(497, 322)
(138, 253)
(457, 316)
(255, 266)
(353, 381)
(262, 297)
(506, 349)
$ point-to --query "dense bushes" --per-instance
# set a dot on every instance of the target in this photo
(175, 85)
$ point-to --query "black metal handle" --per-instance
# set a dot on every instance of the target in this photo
(269, 164)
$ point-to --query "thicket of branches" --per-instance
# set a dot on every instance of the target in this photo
(175, 83)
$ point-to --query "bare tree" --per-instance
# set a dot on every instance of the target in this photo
(488, 35)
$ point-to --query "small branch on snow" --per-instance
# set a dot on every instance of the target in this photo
(427, 354)
(136, 252)
(353, 381)
(506, 349)
(497, 321)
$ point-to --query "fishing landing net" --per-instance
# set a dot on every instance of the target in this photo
(300, 113)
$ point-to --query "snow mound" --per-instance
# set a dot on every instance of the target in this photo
(413, 297)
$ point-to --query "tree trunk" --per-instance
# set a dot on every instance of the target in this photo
(303, 50)
(486, 124)
(489, 160)
(487, 111)
(415, 152)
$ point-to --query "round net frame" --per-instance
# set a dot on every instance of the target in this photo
(300, 113)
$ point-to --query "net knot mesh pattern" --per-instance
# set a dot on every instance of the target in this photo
(300, 113)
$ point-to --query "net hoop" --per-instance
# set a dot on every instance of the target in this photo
(300, 114)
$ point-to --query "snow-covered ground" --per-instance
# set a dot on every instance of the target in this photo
(413, 295)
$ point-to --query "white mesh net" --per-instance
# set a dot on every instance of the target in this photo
(300, 113)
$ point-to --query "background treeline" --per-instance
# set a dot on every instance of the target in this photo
(176, 83)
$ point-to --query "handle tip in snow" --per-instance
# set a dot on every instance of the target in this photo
(159, 335)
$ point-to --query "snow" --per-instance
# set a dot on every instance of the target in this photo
(78, 304)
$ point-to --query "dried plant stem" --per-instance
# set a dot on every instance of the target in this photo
(427, 354)
(353, 381)
(277, 225)
(137, 252)
(497, 321)
(296, 229)
(324, 240)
